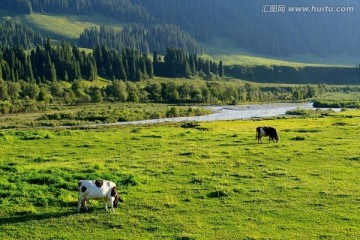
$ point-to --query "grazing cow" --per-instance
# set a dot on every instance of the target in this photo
(98, 190)
(266, 131)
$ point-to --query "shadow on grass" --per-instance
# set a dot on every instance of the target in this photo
(27, 217)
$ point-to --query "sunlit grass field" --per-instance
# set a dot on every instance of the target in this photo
(210, 182)
(222, 49)
(66, 26)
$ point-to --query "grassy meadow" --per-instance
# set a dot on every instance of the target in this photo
(221, 49)
(66, 26)
(210, 182)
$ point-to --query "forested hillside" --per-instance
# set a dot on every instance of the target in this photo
(29, 81)
(154, 38)
(248, 24)
(160, 26)
(49, 63)
(13, 34)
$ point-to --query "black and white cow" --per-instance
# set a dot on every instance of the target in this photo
(266, 131)
(98, 190)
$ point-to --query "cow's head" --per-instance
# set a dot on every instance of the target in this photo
(116, 196)
(117, 199)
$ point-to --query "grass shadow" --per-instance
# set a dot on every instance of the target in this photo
(22, 218)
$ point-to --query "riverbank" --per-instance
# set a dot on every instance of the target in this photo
(114, 115)
(222, 113)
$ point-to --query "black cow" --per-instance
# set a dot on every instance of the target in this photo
(266, 131)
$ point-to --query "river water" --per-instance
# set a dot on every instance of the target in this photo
(231, 113)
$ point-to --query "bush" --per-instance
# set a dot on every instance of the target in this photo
(129, 180)
(219, 193)
(310, 112)
(298, 138)
(8, 168)
(333, 104)
(173, 112)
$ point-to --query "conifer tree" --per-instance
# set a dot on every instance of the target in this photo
(28, 69)
(207, 68)
(3, 90)
(221, 69)
(49, 69)
(1, 65)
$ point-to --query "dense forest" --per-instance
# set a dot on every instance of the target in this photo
(295, 75)
(13, 34)
(56, 74)
(35, 72)
(247, 23)
(68, 63)
(136, 37)
(155, 38)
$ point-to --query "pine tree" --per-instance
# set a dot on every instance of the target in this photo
(221, 69)
(49, 69)
(28, 69)
(1, 76)
(192, 64)
(149, 68)
(207, 68)
(3, 90)
(92, 70)
(47, 45)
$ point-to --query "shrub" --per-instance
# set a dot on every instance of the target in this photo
(8, 168)
(298, 138)
(129, 180)
(190, 125)
(173, 112)
(333, 104)
(219, 193)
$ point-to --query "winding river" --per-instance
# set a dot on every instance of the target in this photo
(231, 113)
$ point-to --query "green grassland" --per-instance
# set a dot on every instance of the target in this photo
(221, 49)
(210, 182)
(66, 26)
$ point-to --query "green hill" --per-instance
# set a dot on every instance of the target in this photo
(234, 31)
(138, 25)
(69, 27)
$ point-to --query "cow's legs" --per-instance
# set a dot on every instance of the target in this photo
(81, 202)
(84, 203)
(109, 200)
(106, 204)
(79, 205)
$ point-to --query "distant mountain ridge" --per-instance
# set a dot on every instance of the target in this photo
(250, 24)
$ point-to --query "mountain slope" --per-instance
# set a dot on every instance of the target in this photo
(317, 35)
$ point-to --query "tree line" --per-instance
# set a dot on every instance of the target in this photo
(65, 62)
(249, 24)
(36, 75)
(123, 10)
(13, 34)
(134, 36)
(25, 96)
(143, 39)
(296, 75)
